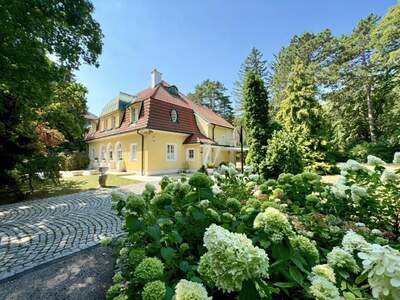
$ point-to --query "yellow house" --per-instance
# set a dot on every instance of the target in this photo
(159, 131)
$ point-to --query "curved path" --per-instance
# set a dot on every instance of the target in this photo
(39, 231)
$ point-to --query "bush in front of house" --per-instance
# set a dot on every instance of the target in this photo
(381, 149)
(77, 160)
(237, 236)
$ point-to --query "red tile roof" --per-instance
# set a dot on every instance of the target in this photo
(156, 106)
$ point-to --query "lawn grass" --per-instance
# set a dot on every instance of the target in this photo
(68, 185)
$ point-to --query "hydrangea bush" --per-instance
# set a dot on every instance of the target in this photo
(237, 236)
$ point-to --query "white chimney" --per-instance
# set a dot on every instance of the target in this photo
(155, 78)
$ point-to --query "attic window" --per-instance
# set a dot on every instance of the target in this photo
(174, 116)
(173, 90)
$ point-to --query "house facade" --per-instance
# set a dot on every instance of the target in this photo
(159, 131)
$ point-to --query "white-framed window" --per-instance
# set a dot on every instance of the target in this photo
(133, 152)
(189, 154)
(113, 122)
(171, 152)
(118, 151)
(133, 115)
(110, 152)
(102, 152)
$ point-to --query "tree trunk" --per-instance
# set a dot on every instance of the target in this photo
(371, 114)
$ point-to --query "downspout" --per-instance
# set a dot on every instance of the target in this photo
(213, 129)
(142, 163)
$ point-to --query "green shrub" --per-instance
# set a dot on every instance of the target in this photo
(75, 160)
(283, 155)
(380, 149)
(200, 180)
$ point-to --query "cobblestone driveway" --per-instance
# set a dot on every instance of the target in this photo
(39, 231)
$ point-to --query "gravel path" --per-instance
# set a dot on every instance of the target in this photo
(85, 275)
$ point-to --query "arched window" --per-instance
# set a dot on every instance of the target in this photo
(118, 151)
(110, 152)
(102, 152)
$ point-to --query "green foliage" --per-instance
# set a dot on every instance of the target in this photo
(255, 104)
(254, 62)
(283, 155)
(212, 94)
(292, 222)
(380, 149)
(28, 79)
(75, 160)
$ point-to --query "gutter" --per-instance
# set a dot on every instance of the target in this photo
(142, 163)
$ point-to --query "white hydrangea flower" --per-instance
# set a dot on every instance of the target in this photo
(231, 259)
(388, 176)
(396, 158)
(216, 190)
(188, 290)
(322, 289)
(374, 161)
(340, 258)
(324, 271)
(352, 165)
(376, 232)
(359, 224)
(353, 241)
(254, 177)
(358, 192)
(204, 203)
(383, 266)
(274, 223)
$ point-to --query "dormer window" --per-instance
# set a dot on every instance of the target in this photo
(113, 122)
(133, 115)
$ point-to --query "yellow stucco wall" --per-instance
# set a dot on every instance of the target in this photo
(125, 141)
(204, 126)
(223, 135)
(155, 152)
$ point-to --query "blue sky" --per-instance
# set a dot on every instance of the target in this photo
(189, 41)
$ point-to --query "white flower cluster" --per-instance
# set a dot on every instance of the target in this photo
(274, 223)
(388, 176)
(352, 165)
(374, 161)
(322, 283)
(188, 290)
(353, 241)
(396, 158)
(231, 259)
(358, 192)
(340, 258)
(383, 266)
(228, 170)
(340, 187)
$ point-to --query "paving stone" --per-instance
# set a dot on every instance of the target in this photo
(39, 231)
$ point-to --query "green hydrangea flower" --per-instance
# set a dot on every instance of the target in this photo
(305, 246)
(233, 204)
(154, 290)
(340, 258)
(274, 223)
(135, 203)
(188, 290)
(161, 200)
(200, 180)
(117, 278)
(136, 256)
(231, 259)
(150, 269)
